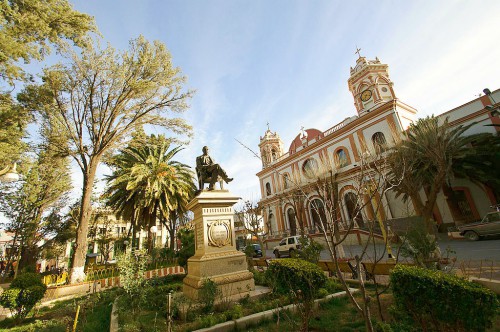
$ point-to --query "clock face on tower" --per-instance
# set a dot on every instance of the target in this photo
(365, 95)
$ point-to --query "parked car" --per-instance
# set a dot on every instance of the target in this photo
(255, 249)
(490, 225)
(287, 246)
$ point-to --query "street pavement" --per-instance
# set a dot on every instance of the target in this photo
(473, 258)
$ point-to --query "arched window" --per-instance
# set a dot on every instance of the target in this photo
(290, 213)
(268, 188)
(341, 157)
(310, 168)
(286, 180)
(379, 142)
(353, 209)
(274, 155)
(318, 214)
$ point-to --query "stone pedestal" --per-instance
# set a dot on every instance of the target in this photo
(216, 257)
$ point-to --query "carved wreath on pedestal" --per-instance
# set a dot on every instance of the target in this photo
(219, 233)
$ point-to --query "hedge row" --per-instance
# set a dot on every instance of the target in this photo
(295, 275)
(443, 302)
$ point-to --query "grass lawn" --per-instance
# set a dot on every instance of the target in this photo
(339, 315)
(95, 313)
(188, 315)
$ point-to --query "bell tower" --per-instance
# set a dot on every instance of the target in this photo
(370, 84)
(271, 148)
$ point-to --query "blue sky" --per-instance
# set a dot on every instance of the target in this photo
(287, 62)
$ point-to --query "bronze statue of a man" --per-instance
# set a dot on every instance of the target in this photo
(209, 169)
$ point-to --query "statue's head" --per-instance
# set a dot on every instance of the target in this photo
(205, 149)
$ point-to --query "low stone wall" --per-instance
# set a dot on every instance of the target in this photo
(493, 285)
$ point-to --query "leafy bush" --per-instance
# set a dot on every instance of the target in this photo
(132, 266)
(183, 307)
(23, 294)
(333, 286)
(166, 280)
(249, 251)
(208, 294)
(186, 236)
(167, 254)
(292, 274)
(419, 246)
(155, 297)
(260, 278)
(235, 312)
(310, 250)
(440, 301)
(301, 279)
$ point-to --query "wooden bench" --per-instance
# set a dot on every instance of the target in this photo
(345, 266)
(259, 264)
(373, 269)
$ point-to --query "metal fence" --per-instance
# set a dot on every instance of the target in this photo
(55, 279)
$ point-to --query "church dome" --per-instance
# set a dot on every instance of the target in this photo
(305, 136)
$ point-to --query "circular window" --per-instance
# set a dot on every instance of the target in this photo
(310, 168)
(384, 89)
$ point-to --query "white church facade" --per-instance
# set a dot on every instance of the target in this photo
(380, 120)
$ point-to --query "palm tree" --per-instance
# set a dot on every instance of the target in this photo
(480, 164)
(425, 160)
(150, 182)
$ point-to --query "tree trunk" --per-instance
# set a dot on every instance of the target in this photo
(171, 230)
(29, 255)
(453, 204)
(77, 269)
(152, 222)
(134, 231)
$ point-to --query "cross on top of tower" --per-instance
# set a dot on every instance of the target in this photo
(358, 52)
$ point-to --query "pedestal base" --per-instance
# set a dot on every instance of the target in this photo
(228, 270)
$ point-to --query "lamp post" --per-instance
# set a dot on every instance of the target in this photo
(371, 188)
(488, 93)
(9, 174)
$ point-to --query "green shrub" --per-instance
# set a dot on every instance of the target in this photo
(322, 292)
(183, 307)
(132, 266)
(156, 297)
(235, 312)
(299, 279)
(186, 236)
(333, 286)
(420, 246)
(23, 294)
(440, 301)
(310, 250)
(249, 251)
(260, 278)
(208, 294)
(292, 274)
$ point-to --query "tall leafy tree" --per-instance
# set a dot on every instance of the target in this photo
(34, 208)
(14, 119)
(30, 27)
(100, 98)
